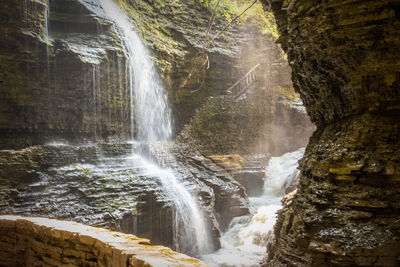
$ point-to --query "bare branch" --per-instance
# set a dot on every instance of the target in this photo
(230, 23)
(212, 19)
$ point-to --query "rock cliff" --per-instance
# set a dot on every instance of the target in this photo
(54, 51)
(265, 119)
(62, 74)
(63, 78)
(347, 70)
(175, 32)
(104, 185)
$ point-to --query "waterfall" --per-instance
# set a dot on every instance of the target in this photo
(244, 243)
(46, 21)
(150, 116)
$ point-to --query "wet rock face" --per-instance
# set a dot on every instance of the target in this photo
(154, 219)
(227, 198)
(174, 31)
(346, 70)
(339, 54)
(248, 170)
(64, 81)
(104, 185)
(69, 182)
(264, 119)
(290, 128)
(346, 210)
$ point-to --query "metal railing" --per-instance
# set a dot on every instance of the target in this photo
(242, 85)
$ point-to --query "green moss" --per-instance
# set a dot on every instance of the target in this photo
(85, 172)
(229, 9)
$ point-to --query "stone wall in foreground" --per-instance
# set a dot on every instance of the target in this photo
(46, 242)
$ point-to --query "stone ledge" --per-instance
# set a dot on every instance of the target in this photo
(31, 241)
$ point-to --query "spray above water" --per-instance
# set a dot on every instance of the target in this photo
(150, 118)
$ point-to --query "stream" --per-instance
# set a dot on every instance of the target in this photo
(244, 243)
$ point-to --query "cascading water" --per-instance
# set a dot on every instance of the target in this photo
(244, 243)
(152, 117)
(46, 21)
(151, 114)
(46, 18)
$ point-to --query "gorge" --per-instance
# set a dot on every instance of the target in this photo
(121, 114)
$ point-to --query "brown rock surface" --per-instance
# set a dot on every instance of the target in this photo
(102, 185)
(268, 118)
(346, 65)
(46, 242)
(65, 83)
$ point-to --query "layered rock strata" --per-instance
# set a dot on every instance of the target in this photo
(62, 74)
(28, 241)
(106, 185)
(248, 170)
(63, 78)
(63, 70)
(346, 68)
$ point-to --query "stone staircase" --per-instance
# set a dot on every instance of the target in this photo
(240, 87)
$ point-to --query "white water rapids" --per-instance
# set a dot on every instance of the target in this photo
(151, 117)
(244, 243)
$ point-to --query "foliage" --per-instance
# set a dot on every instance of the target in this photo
(288, 92)
(231, 8)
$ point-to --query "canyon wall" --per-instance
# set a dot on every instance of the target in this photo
(62, 75)
(267, 118)
(65, 113)
(63, 71)
(346, 67)
(105, 186)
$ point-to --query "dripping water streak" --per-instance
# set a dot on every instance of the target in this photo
(99, 100)
(131, 113)
(121, 93)
(94, 102)
(46, 23)
(110, 103)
